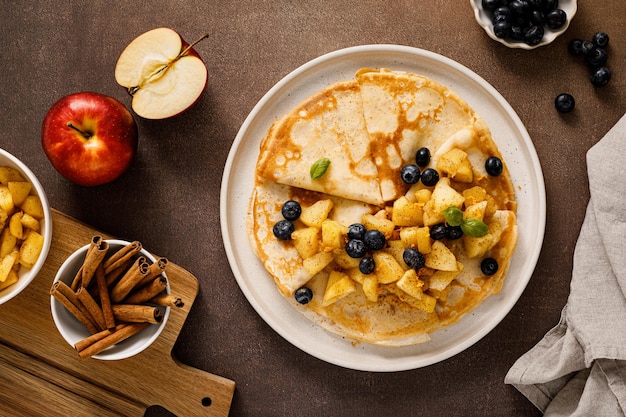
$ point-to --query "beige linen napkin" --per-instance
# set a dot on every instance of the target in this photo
(579, 367)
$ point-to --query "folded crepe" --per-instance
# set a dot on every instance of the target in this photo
(370, 128)
(579, 367)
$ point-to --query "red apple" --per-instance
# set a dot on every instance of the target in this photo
(90, 138)
(162, 72)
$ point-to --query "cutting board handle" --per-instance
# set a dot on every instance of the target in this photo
(192, 392)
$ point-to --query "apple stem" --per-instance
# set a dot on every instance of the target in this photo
(86, 135)
(184, 51)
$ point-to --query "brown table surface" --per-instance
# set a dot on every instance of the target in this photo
(169, 199)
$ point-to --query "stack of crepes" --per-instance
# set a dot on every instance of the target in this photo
(579, 367)
(369, 128)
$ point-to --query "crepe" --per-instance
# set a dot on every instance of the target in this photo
(379, 121)
(329, 123)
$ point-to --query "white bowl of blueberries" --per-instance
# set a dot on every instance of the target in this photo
(524, 24)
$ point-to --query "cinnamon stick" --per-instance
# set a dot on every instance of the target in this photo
(105, 299)
(154, 270)
(110, 338)
(128, 281)
(121, 256)
(92, 307)
(167, 300)
(135, 313)
(64, 294)
(145, 293)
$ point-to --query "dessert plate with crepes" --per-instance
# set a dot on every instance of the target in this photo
(364, 112)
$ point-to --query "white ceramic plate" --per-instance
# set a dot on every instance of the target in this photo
(238, 180)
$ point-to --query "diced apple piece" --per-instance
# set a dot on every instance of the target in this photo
(19, 191)
(338, 286)
(316, 213)
(29, 222)
(455, 164)
(388, 269)
(441, 279)
(370, 287)
(15, 225)
(418, 194)
(440, 257)
(6, 265)
(7, 242)
(306, 241)
(396, 249)
(411, 284)
(333, 234)
(33, 207)
(8, 174)
(372, 222)
(317, 262)
(416, 237)
(345, 261)
(31, 248)
(4, 217)
(406, 213)
(10, 280)
(443, 196)
(478, 246)
(476, 211)
(6, 199)
(474, 195)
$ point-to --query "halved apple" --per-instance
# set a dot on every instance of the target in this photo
(163, 73)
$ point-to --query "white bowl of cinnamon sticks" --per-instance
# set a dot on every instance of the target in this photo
(111, 299)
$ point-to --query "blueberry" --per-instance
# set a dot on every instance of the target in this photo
(489, 266)
(587, 47)
(490, 4)
(430, 177)
(575, 47)
(550, 5)
(367, 265)
(454, 232)
(596, 58)
(556, 19)
(422, 157)
(413, 258)
(564, 103)
(291, 210)
(501, 14)
(516, 34)
(303, 295)
(533, 35)
(283, 229)
(600, 77)
(355, 248)
(493, 166)
(410, 174)
(438, 231)
(502, 29)
(356, 231)
(374, 240)
(600, 39)
(537, 18)
(519, 7)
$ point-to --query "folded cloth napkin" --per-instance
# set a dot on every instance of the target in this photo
(579, 367)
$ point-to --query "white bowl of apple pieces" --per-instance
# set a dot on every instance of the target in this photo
(524, 24)
(25, 226)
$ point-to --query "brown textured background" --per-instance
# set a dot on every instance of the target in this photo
(169, 199)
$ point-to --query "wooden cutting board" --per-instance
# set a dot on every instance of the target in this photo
(41, 374)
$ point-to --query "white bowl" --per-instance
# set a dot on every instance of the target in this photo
(73, 330)
(26, 275)
(483, 18)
